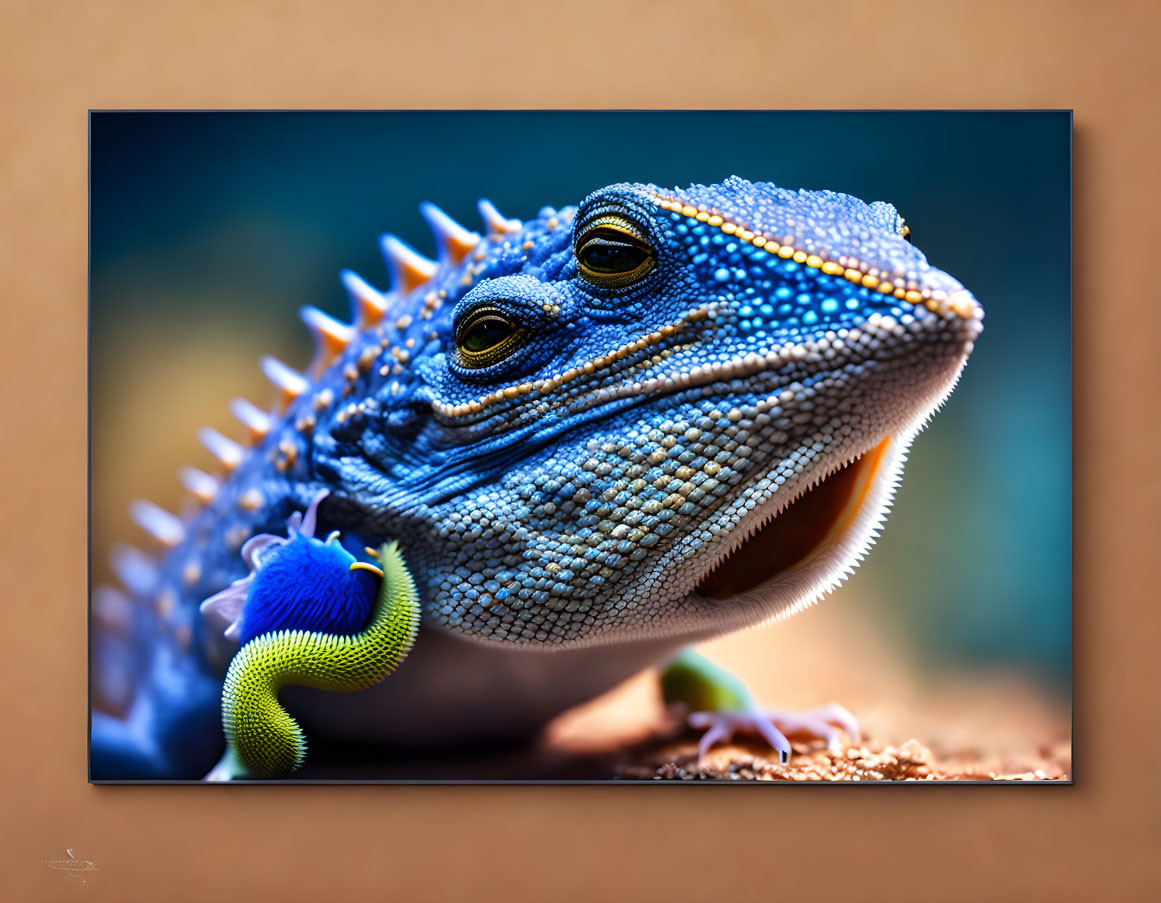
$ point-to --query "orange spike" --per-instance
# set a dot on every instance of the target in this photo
(137, 571)
(409, 269)
(495, 222)
(253, 418)
(289, 383)
(229, 452)
(331, 337)
(166, 528)
(368, 306)
(453, 240)
(201, 485)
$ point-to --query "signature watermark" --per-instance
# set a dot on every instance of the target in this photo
(76, 868)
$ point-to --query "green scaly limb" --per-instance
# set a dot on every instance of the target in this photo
(718, 703)
(262, 739)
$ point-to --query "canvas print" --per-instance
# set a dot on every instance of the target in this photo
(595, 404)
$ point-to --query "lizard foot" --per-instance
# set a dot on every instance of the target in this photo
(774, 726)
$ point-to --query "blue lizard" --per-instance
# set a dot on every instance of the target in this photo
(598, 436)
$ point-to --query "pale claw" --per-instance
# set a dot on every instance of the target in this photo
(723, 725)
(819, 722)
(718, 731)
(774, 725)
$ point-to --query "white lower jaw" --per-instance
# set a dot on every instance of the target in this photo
(827, 565)
(836, 557)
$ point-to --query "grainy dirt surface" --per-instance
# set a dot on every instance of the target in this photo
(1022, 745)
(917, 725)
(909, 761)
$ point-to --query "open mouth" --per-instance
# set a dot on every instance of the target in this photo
(812, 523)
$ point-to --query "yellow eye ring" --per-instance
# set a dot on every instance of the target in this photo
(613, 252)
(485, 338)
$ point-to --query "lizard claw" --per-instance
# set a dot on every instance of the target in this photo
(820, 722)
(773, 725)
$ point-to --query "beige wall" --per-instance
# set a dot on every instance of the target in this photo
(1096, 840)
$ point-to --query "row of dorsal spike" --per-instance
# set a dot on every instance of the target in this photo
(407, 269)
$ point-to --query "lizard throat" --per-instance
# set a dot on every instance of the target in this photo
(814, 521)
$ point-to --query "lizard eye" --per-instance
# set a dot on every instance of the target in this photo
(905, 232)
(613, 252)
(486, 337)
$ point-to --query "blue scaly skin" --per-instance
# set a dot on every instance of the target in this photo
(586, 431)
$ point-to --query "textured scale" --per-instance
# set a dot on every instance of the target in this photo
(599, 485)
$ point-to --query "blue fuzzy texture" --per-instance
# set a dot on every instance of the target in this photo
(308, 585)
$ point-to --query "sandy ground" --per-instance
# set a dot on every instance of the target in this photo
(916, 725)
(667, 749)
(911, 761)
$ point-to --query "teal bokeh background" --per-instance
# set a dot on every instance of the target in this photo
(261, 210)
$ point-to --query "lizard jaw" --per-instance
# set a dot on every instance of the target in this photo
(838, 527)
(791, 540)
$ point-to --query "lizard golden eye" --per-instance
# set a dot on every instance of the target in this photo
(486, 338)
(613, 252)
(906, 233)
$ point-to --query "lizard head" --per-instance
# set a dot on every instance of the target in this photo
(659, 413)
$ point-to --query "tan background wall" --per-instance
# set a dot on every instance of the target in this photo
(1096, 840)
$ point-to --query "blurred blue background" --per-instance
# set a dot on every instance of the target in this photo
(209, 230)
